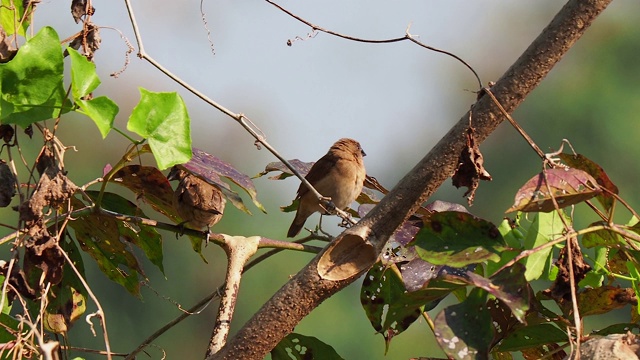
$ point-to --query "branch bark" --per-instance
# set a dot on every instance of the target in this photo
(359, 246)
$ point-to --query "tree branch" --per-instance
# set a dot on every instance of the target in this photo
(360, 245)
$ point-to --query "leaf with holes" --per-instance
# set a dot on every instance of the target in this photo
(458, 239)
(531, 337)
(464, 330)
(510, 286)
(581, 162)
(299, 347)
(618, 329)
(383, 299)
(568, 187)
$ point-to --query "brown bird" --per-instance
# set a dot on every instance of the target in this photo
(198, 203)
(339, 175)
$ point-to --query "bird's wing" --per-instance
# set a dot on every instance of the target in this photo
(318, 171)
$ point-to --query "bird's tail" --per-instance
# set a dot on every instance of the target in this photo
(295, 227)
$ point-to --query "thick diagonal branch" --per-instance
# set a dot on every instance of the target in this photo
(307, 289)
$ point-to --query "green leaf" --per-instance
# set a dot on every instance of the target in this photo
(617, 329)
(532, 336)
(99, 236)
(31, 83)
(11, 14)
(602, 237)
(509, 286)
(382, 296)
(84, 78)
(6, 308)
(465, 331)
(458, 239)
(162, 119)
(101, 110)
(9, 329)
(513, 238)
(299, 347)
(145, 237)
(544, 228)
(291, 207)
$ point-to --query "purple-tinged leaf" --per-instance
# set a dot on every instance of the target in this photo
(568, 187)
(464, 330)
(210, 168)
(581, 162)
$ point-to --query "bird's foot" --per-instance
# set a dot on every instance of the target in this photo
(182, 227)
(206, 239)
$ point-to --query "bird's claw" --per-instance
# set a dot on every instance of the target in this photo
(208, 235)
(182, 227)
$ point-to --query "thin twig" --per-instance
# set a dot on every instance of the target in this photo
(100, 312)
(574, 298)
(200, 305)
(241, 119)
(517, 126)
(525, 253)
(407, 36)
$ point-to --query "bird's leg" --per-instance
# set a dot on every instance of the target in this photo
(346, 223)
(320, 227)
(328, 206)
(206, 240)
(181, 226)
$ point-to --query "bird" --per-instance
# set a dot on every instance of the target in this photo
(339, 174)
(198, 203)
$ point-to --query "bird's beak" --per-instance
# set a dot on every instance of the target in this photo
(174, 174)
(363, 153)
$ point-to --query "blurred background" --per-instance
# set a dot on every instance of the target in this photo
(396, 99)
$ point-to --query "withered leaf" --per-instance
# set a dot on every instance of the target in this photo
(89, 41)
(79, 9)
(150, 185)
(560, 290)
(7, 184)
(470, 167)
(6, 133)
(595, 301)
